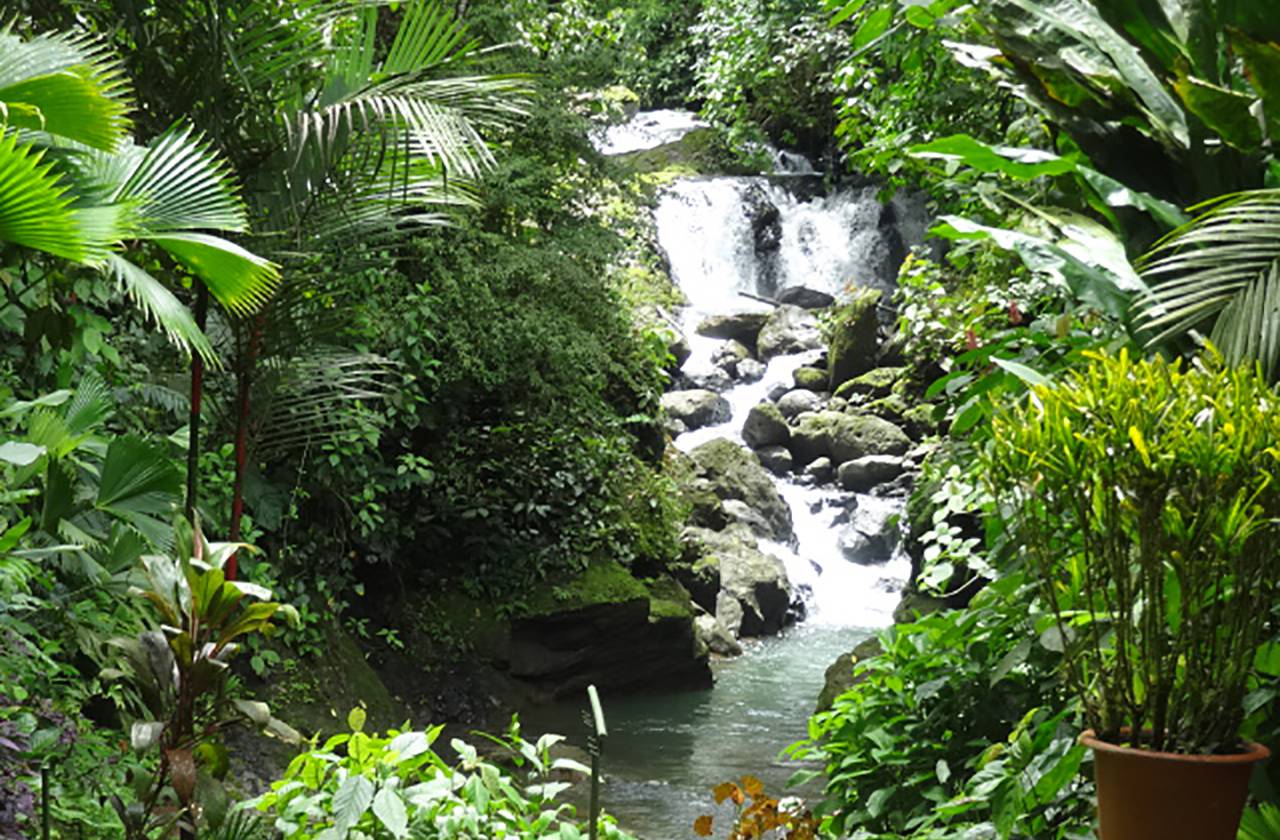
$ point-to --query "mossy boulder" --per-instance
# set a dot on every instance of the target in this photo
(735, 473)
(602, 582)
(696, 407)
(840, 677)
(789, 329)
(810, 378)
(845, 437)
(874, 384)
(703, 151)
(754, 595)
(853, 337)
(765, 426)
(742, 326)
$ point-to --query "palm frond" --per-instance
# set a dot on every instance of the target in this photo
(239, 280)
(178, 183)
(1221, 268)
(68, 85)
(160, 304)
(36, 206)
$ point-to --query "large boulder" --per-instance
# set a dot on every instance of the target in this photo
(845, 437)
(765, 426)
(716, 636)
(753, 595)
(805, 298)
(874, 384)
(734, 473)
(854, 335)
(872, 532)
(604, 627)
(794, 403)
(840, 678)
(861, 474)
(696, 408)
(739, 326)
(810, 378)
(789, 329)
(775, 459)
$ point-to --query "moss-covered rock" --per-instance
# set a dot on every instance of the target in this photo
(844, 437)
(874, 384)
(668, 599)
(735, 473)
(765, 426)
(602, 582)
(839, 676)
(703, 151)
(852, 337)
(810, 378)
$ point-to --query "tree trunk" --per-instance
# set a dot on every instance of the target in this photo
(197, 391)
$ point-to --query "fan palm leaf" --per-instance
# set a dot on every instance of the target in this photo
(68, 85)
(1221, 269)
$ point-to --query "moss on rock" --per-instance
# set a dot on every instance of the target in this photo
(602, 582)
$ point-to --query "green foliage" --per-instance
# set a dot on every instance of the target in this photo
(763, 69)
(960, 724)
(397, 784)
(1144, 495)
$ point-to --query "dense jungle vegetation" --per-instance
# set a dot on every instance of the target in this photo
(319, 311)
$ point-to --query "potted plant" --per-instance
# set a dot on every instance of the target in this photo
(1145, 497)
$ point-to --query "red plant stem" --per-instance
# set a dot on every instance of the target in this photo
(245, 381)
(197, 390)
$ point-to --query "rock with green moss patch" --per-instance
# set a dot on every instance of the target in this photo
(765, 426)
(839, 677)
(789, 329)
(735, 473)
(844, 437)
(853, 333)
(810, 379)
(874, 384)
(703, 151)
(754, 595)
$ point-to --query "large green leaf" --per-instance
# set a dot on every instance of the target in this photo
(1262, 66)
(241, 281)
(1227, 112)
(36, 207)
(1220, 266)
(138, 479)
(1078, 38)
(66, 85)
(1023, 164)
(179, 184)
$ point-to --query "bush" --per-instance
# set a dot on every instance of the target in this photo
(396, 783)
(1145, 494)
(961, 721)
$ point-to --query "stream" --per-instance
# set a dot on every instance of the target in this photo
(665, 752)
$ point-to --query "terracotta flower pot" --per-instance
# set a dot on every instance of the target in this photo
(1148, 795)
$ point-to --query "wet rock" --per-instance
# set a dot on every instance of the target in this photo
(679, 348)
(872, 533)
(874, 384)
(696, 408)
(775, 459)
(810, 379)
(820, 470)
(716, 636)
(855, 334)
(797, 402)
(840, 678)
(753, 596)
(749, 516)
(861, 474)
(714, 379)
(805, 298)
(789, 329)
(765, 426)
(766, 221)
(778, 390)
(740, 326)
(735, 473)
(729, 355)
(749, 370)
(845, 437)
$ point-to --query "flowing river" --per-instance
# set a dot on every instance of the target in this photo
(665, 752)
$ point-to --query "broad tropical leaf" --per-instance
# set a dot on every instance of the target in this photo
(66, 85)
(241, 281)
(160, 304)
(36, 207)
(179, 184)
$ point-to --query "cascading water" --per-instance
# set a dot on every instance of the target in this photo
(760, 235)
